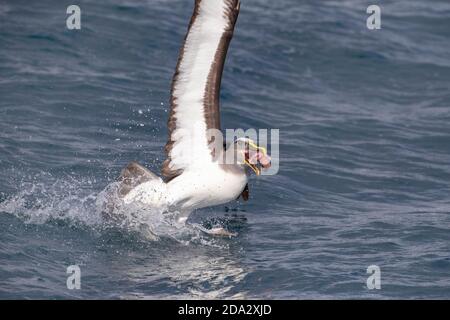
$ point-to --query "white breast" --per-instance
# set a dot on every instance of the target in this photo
(209, 186)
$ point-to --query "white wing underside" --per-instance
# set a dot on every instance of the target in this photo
(189, 149)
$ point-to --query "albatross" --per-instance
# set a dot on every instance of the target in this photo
(198, 172)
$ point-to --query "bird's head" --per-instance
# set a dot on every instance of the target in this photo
(249, 154)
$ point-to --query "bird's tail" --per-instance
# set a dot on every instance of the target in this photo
(133, 175)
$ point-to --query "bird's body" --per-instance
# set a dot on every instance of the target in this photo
(195, 174)
(209, 186)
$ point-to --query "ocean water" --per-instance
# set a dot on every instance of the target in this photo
(364, 179)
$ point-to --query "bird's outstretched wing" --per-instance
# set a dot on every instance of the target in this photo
(195, 90)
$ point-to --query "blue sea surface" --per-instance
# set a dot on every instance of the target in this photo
(364, 179)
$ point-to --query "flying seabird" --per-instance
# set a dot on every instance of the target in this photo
(197, 172)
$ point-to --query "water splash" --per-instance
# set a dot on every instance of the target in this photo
(75, 202)
(152, 221)
(63, 199)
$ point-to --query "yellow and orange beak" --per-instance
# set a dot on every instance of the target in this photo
(259, 156)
